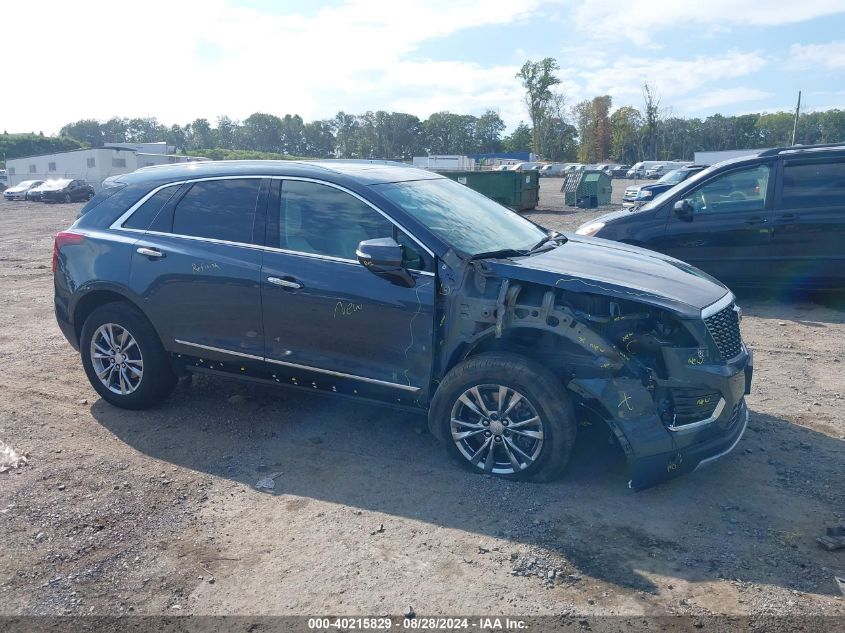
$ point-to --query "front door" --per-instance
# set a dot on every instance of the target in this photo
(329, 322)
(808, 242)
(729, 232)
(198, 265)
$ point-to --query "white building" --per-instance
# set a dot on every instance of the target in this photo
(711, 158)
(445, 163)
(93, 165)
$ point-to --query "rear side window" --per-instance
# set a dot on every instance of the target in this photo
(146, 213)
(218, 209)
(814, 184)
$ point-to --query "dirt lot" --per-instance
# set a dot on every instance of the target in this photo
(157, 512)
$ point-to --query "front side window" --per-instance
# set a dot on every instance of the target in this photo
(218, 209)
(813, 184)
(318, 219)
(464, 219)
(736, 191)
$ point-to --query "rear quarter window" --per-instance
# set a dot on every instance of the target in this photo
(98, 199)
(146, 213)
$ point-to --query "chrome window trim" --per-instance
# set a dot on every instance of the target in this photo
(268, 249)
(720, 406)
(118, 224)
(330, 372)
(717, 306)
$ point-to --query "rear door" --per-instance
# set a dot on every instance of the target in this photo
(329, 322)
(198, 265)
(729, 234)
(808, 242)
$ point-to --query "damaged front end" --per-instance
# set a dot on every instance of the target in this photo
(669, 382)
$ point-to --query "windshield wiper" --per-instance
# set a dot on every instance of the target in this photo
(557, 238)
(499, 254)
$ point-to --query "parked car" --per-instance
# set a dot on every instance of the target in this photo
(66, 190)
(653, 173)
(34, 193)
(554, 169)
(526, 166)
(378, 282)
(640, 194)
(776, 218)
(19, 191)
(619, 171)
(639, 170)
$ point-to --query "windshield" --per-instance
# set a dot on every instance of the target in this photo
(689, 182)
(672, 178)
(25, 184)
(464, 219)
(55, 184)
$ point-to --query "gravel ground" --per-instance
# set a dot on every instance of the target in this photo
(157, 512)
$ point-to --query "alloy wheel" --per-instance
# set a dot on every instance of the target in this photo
(497, 429)
(117, 359)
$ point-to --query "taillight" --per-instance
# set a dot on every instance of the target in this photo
(62, 239)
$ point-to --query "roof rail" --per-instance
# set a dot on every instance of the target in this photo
(779, 150)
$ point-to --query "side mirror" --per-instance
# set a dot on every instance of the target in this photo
(383, 257)
(683, 209)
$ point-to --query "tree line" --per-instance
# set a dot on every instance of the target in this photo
(380, 134)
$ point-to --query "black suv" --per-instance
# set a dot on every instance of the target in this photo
(401, 286)
(66, 190)
(776, 218)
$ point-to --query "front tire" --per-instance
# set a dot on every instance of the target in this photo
(505, 415)
(124, 359)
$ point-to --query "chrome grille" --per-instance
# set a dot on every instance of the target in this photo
(724, 328)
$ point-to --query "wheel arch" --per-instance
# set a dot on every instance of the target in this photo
(95, 297)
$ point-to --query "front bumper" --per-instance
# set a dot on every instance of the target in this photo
(656, 447)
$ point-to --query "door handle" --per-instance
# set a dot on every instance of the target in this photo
(789, 217)
(757, 220)
(150, 252)
(284, 283)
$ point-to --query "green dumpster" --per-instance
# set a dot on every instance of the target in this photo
(519, 190)
(587, 189)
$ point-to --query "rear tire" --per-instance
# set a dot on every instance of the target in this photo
(124, 359)
(529, 437)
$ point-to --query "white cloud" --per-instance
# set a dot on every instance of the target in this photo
(672, 78)
(180, 60)
(724, 96)
(829, 56)
(639, 20)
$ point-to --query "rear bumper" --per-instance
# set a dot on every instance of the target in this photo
(63, 319)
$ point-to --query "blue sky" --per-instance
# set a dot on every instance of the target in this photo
(181, 59)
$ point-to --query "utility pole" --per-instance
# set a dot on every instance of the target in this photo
(797, 112)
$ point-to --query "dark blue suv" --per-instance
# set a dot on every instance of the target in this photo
(404, 287)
